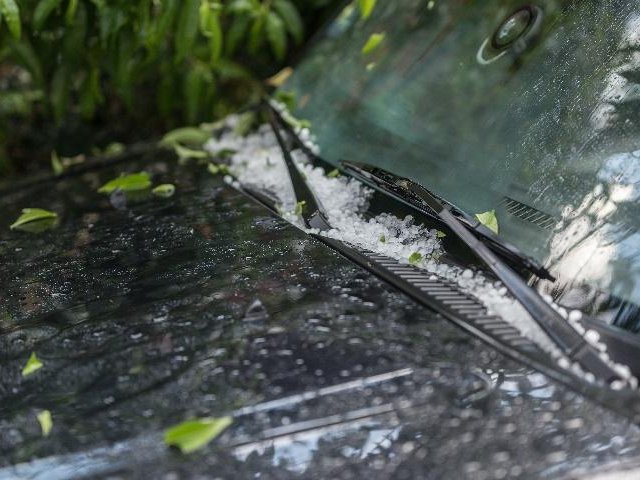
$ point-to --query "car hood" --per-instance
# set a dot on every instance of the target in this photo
(207, 305)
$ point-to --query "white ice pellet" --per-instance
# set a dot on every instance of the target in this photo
(592, 336)
(575, 315)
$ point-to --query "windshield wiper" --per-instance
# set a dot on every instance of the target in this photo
(568, 340)
(388, 182)
(572, 343)
(313, 214)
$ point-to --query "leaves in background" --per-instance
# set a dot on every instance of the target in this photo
(373, 42)
(164, 190)
(289, 14)
(127, 183)
(186, 136)
(45, 421)
(33, 364)
(34, 220)
(187, 28)
(56, 164)
(11, 13)
(192, 435)
(489, 220)
(42, 12)
(277, 35)
(72, 7)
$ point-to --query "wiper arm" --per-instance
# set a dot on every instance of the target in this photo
(388, 182)
(567, 339)
(313, 214)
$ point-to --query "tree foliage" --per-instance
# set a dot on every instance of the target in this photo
(171, 61)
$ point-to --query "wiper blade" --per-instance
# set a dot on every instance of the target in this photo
(567, 339)
(391, 184)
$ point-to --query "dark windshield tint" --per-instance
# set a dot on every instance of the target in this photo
(528, 109)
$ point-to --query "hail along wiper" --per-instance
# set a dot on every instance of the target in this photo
(567, 339)
(389, 183)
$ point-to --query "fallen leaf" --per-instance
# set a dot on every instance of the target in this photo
(165, 190)
(34, 220)
(415, 258)
(194, 434)
(279, 78)
(46, 423)
(32, 365)
(489, 220)
(127, 183)
(374, 41)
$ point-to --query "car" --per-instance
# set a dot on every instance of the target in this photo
(424, 267)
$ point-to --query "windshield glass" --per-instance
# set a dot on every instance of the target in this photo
(528, 109)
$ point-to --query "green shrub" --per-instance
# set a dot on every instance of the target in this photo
(165, 62)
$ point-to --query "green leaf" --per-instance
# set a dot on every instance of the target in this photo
(25, 54)
(256, 37)
(216, 168)
(42, 12)
(11, 13)
(440, 234)
(374, 41)
(292, 21)
(187, 28)
(45, 421)
(215, 38)
(72, 7)
(300, 207)
(245, 124)
(382, 239)
(194, 434)
(489, 220)
(187, 136)
(33, 364)
(127, 183)
(236, 32)
(59, 93)
(33, 215)
(335, 173)
(204, 12)
(195, 84)
(240, 6)
(113, 149)
(185, 153)
(56, 164)
(415, 258)
(366, 7)
(277, 35)
(165, 190)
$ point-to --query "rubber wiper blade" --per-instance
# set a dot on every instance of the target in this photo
(392, 184)
(572, 344)
(313, 214)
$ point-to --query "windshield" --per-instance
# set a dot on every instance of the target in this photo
(528, 109)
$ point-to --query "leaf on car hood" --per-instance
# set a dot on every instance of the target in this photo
(127, 183)
(194, 434)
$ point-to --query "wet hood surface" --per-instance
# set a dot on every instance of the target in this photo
(206, 305)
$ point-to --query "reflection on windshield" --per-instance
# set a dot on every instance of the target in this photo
(531, 111)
